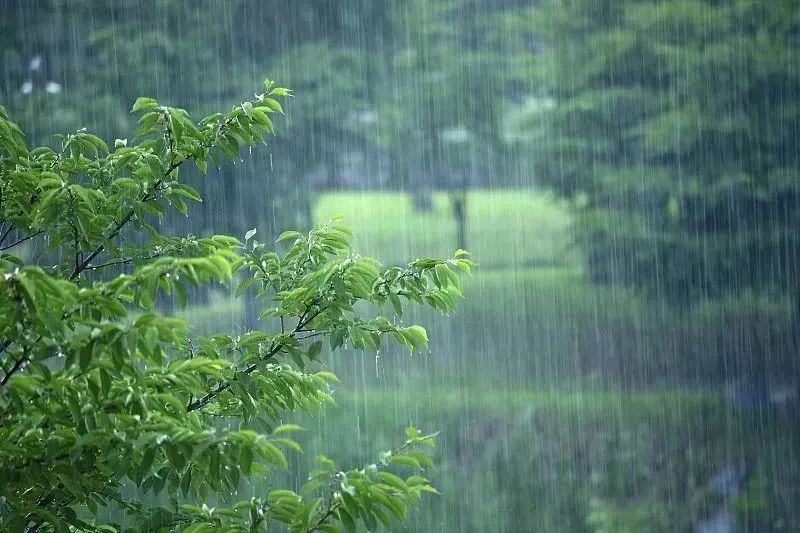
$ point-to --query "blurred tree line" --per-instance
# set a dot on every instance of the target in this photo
(392, 85)
(672, 125)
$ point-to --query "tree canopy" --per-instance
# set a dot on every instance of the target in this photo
(673, 125)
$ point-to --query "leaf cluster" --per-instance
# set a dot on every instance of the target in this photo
(100, 391)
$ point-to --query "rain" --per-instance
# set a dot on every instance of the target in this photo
(625, 175)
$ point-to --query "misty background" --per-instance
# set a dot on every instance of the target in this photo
(626, 173)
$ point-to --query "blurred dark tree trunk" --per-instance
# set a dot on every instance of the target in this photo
(458, 200)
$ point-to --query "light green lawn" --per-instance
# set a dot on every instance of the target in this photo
(504, 227)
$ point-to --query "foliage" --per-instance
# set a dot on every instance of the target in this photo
(674, 123)
(100, 390)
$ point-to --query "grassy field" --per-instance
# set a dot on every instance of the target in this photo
(504, 227)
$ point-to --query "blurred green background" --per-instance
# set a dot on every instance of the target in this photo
(624, 172)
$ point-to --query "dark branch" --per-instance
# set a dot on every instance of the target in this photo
(19, 363)
(222, 387)
(29, 237)
(118, 226)
(331, 509)
(314, 334)
(5, 346)
(124, 261)
(113, 263)
(6, 232)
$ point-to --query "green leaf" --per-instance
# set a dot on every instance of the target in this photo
(297, 357)
(245, 459)
(85, 356)
(393, 480)
(273, 104)
(416, 335)
(144, 103)
(148, 458)
(96, 141)
(180, 293)
(285, 428)
(175, 456)
(314, 350)
(398, 307)
(188, 192)
(405, 461)
(243, 286)
(289, 235)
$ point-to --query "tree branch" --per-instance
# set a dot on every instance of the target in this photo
(331, 509)
(315, 334)
(124, 261)
(210, 396)
(29, 237)
(19, 363)
(6, 232)
(5, 346)
(121, 224)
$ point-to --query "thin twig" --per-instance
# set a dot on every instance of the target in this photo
(19, 363)
(5, 346)
(29, 237)
(313, 334)
(6, 232)
(331, 509)
(121, 224)
(125, 261)
(113, 263)
(211, 395)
